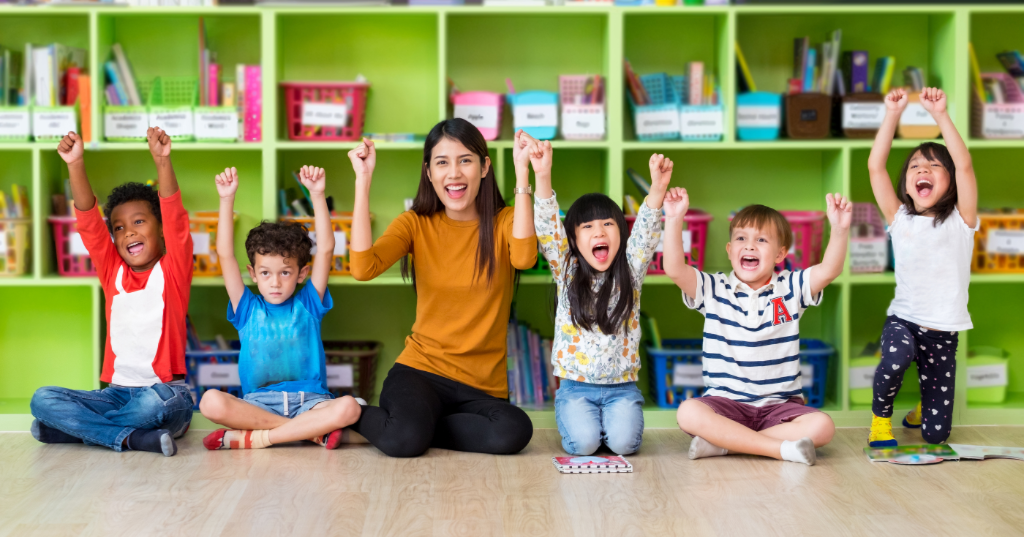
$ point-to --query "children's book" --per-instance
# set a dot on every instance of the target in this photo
(746, 81)
(127, 75)
(987, 452)
(913, 454)
(592, 465)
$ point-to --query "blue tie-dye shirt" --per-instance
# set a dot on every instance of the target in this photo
(281, 346)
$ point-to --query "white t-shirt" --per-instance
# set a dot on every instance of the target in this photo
(933, 270)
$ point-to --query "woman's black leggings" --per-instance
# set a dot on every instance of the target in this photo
(419, 410)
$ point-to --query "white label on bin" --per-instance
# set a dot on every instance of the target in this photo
(807, 375)
(312, 237)
(687, 242)
(340, 243)
(3, 242)
(125, 125)
(916, 116)
(863, 115)
(216, 125)
(339, 376)
(1002, 241)
(868, 253)
(15, 123)
(753, 117)
(987, 376)
(703, 123)
(688, 375)
(862, 377)
(77, 246)
(535, 115)
(657, 122)
(53, 123)
(177, 123)
(582, 124)
(1003, 121)
(482, 117)
(325, 114)
(200, 244)
(218, 375)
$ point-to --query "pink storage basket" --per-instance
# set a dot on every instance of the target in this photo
(869, 244)
(482, 109)
(808, 227)
(569, 87)
(697, 224)
(351, 95)
(72, 258)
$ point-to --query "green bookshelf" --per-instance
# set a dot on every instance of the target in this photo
(51, 328)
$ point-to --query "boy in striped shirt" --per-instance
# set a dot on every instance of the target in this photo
(752, 401)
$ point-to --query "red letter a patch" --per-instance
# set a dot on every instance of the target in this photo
(780, 314)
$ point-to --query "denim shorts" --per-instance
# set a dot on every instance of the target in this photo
(287, 404)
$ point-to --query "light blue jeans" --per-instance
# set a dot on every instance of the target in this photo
(591, 414)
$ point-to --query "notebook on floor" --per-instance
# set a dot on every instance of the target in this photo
(592, 465)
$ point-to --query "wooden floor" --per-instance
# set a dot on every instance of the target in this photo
(308, 491)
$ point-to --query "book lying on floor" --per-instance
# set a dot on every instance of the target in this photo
(914, 454)
(592, 465)
(987, 452)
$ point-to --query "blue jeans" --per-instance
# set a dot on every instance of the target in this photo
(287, 404)
(589, 414)
(106, 417)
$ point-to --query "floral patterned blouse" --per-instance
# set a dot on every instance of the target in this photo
(590, 355)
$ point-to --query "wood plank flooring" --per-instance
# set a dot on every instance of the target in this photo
(305, 490)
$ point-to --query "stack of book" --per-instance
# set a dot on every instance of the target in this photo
(15, 204)
(814, 72)
(531, 381)
(51, 75)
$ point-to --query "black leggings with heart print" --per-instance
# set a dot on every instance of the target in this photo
(934, 352)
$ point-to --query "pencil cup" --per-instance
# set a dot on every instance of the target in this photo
(808, 115)
(916, 122)
(861, 114)
(482, 109)
(758, 116)
(1002, 120)
(535, 112)
(658, 120)
(579, 121)
(15, 124)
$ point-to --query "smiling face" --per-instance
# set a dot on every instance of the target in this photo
(456, 172)
(138, 235)
(598, 241)
(754, 252)
(276, 276)
(927, 181)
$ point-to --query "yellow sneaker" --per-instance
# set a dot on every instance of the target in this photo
(881, 433)
(913, 419)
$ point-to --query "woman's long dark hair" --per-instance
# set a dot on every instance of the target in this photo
(587, 308)
(944, 207)
(488, 200)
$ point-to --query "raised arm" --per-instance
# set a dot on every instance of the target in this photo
(524, 151)
(647, 233)
(364, 159)
(227, 185)
(160, 148)
(314, 179)
(934, 101)
(881, 183)
(677, 201)
(72, 151)
(840, 214)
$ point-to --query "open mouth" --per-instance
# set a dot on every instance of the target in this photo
(135, 248)
(924, 187)
(455, 191)
(600, 252)
(749, 262)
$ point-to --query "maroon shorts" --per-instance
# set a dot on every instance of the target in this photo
(757, 418)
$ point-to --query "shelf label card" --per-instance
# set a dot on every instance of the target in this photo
(1003, 121)
(218, 375)
(53, 122)
(916, 116)
(1003, 241)
(15, 123)
(125, 125)
(176, 123)
(657, 122)
(216, 125)
(863, 115)
(758, 117)
(200, 243)
(700, 123)
(987, 376)
(340, 376)
(862, 377)
(688, 375)
(807, 375)
(482, 117)
(865, 254)
(340, 243)
(687, 242)
(325, 114)
(76, 244)
(535, 115)
(3, 243)
(583, 123)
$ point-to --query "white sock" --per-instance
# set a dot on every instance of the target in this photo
(700, 448)
(799, 451)
(360, 400)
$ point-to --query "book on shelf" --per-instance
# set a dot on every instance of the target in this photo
(531, 381)
(855, 67)
(743, 76)
(126, 75)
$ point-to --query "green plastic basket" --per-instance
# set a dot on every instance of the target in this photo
(144, 88)
(28, 132)
(174, 94)
(987, 357)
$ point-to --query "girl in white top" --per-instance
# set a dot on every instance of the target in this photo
(932, 217)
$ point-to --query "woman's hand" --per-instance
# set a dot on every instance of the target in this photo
(364, 160)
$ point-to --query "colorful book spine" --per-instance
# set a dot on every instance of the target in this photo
(71, 83)
(115, 81)
(128, 77)
(855, 65)
(213, 84)
(112, 98)
(253, 104)
(85, 106)
(812, 58)
(696, 79)
(746, 79)
(228, 94)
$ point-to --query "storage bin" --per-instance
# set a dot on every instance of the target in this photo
(697, 122)
(51, 124)
(862, 114)
(342, 224)
(322, 111)
(999, 243)
(676, 371)
(125, 123)
(808, 115)
(580, 121)
(482, 109)
(660, 119)
(170, 104)
(758, 116)
(998, 121)
(862, 379)
(535, 112)
(72, 259)
(216, 124)
(15, 124)
(869, 243)
(213, 369)
(695, 238)
(808, 228)
(987, 375)
(916, 122)
(203, 225)
(14, 246)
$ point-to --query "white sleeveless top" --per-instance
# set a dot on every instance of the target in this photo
(933, 270)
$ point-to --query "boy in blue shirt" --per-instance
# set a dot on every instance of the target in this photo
(281, 363)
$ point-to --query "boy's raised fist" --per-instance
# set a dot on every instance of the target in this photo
(313, 178)
(71, 148)
(159, 142)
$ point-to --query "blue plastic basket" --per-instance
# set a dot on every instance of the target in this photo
(542, 98)
(813, 352)
(758, 100)
(217, 356)
(680, 85)
(663, 99)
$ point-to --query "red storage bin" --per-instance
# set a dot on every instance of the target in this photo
(697, 224)
(339, 119)
(71, 256)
